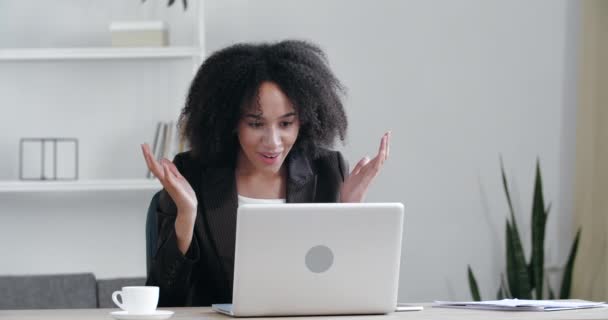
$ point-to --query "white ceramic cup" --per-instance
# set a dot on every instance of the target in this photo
(137, 300)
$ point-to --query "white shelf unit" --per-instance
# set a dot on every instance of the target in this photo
(194, 53)
(58, 80)
(99, 53)
(80, 185)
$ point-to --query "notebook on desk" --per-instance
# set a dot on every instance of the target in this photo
(316, 259)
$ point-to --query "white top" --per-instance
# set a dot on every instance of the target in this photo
(247, 200)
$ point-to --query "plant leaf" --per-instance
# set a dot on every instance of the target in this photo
(539, 221)
(506, 187)
(517, 270)
(564, 292)
(505, 287)
(519, 280)
(531, 275)
(551, 293)
(509, 259)
(473, 285)
(499, 294)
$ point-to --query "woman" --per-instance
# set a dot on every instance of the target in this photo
(260, 119)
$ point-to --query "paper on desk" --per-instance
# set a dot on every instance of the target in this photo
(520, 304)
(408, 307)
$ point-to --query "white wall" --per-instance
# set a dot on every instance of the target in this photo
(57, 232)
(458, 83)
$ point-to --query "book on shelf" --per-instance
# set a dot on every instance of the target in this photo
(167, 142)
(167, 147)
(157, 135)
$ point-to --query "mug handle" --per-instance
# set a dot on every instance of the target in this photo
(115, 299)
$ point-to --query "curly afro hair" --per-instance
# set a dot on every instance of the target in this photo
(227, 83)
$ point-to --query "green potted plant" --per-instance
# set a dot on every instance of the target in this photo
(525, 279)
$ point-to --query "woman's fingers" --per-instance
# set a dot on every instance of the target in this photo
(144, 150)
(383, 147)
(372, 168)
(360, 165)
(376, 163)
(388, 145)
(173, 168)
(169, 180)
(152, 164)
(355, 188)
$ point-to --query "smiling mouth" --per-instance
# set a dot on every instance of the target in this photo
(270, 155)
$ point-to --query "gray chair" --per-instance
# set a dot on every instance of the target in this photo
(60, 291)
(151, 230)
(106, 287)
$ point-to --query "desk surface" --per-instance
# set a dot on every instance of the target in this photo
(427, 314)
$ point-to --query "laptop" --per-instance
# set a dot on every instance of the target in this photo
(316, 259)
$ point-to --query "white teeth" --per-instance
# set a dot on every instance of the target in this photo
(270, 157)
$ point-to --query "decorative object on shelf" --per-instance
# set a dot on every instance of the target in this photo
(171, 2)
(48, 159)
(151, 33)
(139, 34)
(524, 278)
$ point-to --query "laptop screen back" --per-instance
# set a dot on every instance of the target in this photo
(313, 259)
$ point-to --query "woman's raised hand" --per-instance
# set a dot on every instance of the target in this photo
(356, 184)
(176, 185)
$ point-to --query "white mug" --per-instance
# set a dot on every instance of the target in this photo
(137, 300)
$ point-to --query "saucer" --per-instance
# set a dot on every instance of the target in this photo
(156, 315)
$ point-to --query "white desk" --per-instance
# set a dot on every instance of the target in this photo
(427, 314)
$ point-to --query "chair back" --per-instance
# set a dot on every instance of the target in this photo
(56, 291)
(151, 230)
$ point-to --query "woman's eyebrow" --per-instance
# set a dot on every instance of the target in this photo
(259, 116)
(252, 115)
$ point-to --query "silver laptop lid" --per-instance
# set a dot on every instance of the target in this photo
(314, 259)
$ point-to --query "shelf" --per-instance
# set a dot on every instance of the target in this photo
(99, 53)
(80, 185)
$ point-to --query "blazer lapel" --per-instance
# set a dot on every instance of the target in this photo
(220, 203)
(301, 180)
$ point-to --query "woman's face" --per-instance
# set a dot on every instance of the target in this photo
(266, 134)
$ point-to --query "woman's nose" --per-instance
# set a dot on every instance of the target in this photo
(272, 137)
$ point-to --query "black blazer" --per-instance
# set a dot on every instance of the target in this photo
(204, 275)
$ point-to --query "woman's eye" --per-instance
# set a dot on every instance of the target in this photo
(255, 124)
(286, 124)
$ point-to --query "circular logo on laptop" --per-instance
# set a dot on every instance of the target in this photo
(319, 259)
